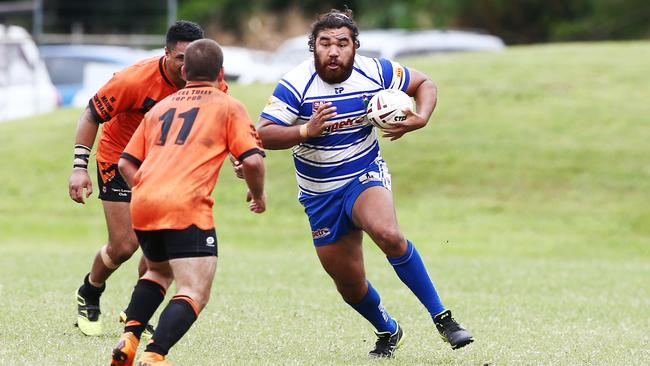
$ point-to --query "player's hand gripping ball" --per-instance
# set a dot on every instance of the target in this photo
(386, 107)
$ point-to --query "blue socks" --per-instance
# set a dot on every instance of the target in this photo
(370, 308)
(410, 269)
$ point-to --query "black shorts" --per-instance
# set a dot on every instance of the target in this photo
(163, 245)
(112, 186)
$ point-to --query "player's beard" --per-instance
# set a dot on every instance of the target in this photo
(333, 76)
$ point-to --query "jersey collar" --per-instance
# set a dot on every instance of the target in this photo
(163, 72)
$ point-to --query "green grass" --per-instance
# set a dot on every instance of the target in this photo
(527, 196)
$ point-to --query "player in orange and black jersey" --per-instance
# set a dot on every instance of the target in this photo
(118, 107)
(172, 164)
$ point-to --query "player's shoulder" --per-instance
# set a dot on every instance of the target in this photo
(232, 102)
(300, 75)
(365, 61)
(141, 71)
(370, 65)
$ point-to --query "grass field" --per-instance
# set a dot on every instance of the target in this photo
(528, 195)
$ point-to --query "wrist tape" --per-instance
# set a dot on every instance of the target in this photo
(81, 156)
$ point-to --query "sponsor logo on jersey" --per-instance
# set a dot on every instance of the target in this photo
(320, 233)
(347, 123)
(399, 72)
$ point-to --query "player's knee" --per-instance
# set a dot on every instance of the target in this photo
(390, 240)
(120, 253)
(200, 296)
(121, 246)
(203, 299)
(352, 291)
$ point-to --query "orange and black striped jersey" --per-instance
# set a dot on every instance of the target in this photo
(180, 147)
(122, 102)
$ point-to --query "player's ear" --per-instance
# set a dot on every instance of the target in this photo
(220, 75)
(183, 73)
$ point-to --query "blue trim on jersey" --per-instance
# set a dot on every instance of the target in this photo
(311, 80)
(334, 148)
(290, 86)
(293, 110)
(381, 78)
(274, 119)
(407, 79)
(321, 164)
(343, 106)
(342, 169)
(336, 96)
(387, 72)
(367, 77)
(313, 193)
(284, 94)
(333, 179)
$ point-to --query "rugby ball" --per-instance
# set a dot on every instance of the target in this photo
(386, 107)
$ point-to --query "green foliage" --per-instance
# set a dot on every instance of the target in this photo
(515, 21)
(526, 195)
(228, 14)
(98, 17)
(607, 19)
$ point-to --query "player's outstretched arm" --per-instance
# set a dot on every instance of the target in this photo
(277, 137)
(253, 170)
(79, 179)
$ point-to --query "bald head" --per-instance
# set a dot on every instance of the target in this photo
(203, 60)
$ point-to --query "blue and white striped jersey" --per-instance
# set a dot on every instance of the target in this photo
(344, 150)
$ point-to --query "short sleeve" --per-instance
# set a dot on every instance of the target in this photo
(393, 75)
(116, 96)
(243, 139)
(283, 106)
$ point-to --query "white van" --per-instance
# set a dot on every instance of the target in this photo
(25, 86)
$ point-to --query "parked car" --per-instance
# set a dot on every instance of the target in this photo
(442, 41)
(244, 65)
(79, 70)
(395, 43)
(25, 86)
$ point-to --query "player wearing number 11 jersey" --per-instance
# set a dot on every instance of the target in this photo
(172, 163)
(118, 107)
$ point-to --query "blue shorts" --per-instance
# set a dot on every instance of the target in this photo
(330, 214)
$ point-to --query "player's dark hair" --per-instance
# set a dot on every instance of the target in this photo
(183, 31)
(203, 60)
(334, 19)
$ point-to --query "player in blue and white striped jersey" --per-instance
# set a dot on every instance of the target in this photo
(318, 109)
